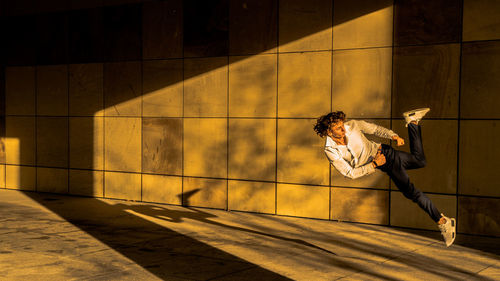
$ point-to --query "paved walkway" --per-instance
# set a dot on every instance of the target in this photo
(50, 237)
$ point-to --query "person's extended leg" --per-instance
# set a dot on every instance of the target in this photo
(399, 161)
(399, 176)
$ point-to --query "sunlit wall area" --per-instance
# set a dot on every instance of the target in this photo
(212, 103)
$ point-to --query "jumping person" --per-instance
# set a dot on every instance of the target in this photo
(354, 156)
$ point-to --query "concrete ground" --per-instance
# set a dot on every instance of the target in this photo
(51, 237)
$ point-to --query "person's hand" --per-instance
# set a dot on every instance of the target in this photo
(379, 159)
(399, 141)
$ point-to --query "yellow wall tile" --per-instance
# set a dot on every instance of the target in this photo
(252, 196)
(162, 189)
(20, 90)
(303, 201)
(52, 142)
(20, 177)
(86, 82)
(52, 180)
(20, 140)
(252, 86)
(52, 90)
(417, 23)
(253, 27)
(440, 140)
(2, 176)
(305, 26)
(122, 185)
(479, 96)
(211, 193)
(408, 214)
(252, 149)
(162, 32)
(378, 179)
(426, 76)
(162, 145)
(304, 84)
(86, 142)
(362, 23)
(301, 156)
(86, 183)
(480, 20)
(357, 205)
(205, 87)
(205, 147)
(362, 82)
(122, 89)
(479, 215)
(479, 153)
(122, 148)
(162, 88)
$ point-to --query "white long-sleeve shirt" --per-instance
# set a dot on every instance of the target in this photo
(354, 159)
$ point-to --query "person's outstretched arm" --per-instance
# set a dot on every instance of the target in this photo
(374, 129)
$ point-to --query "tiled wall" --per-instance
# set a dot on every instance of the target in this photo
(212, 105)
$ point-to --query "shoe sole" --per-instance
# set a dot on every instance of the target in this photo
(413, 112)
(454, 235)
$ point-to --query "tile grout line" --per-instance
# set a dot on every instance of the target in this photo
(4, 78)
(277, 109)
(104, 129)
(458, 117)
(389, 190)
(227, 56)
(4, 122)
(68, 128)
(141, 120)
(227, 131)
(330, 189)
(183, 111)
(227, 105)
(141, 92)
(67, 63)
(36, 128)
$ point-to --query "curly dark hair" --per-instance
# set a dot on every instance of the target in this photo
(324, 122)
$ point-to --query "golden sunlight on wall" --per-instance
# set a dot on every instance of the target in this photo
(214, 105)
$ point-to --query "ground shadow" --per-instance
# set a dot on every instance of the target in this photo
(167, 253)
(163, 252)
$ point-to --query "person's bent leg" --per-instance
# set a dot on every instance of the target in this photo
(416, 159)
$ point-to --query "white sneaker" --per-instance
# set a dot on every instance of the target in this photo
(415, 115)
(448, 230)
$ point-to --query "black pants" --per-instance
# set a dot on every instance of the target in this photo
(397, 162)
